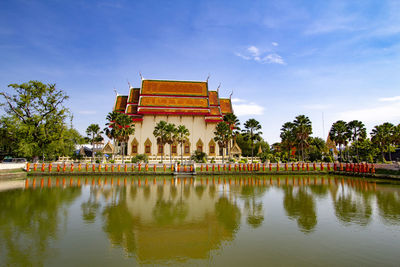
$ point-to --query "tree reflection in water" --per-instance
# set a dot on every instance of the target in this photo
(349, 210)
(30, 222)
(254, 208)
(119, 223)
(90, 207)
(300, 207)
(389, 206)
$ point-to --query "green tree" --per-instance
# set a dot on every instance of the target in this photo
(340, 134)
(288, 137)
(161, 133)
(223, 134)
(303, 130)
(358, 132)
(170, 137)
(252, 132)
(317, 148)
(234, 124)
(39, 112)
(182, 136)
(94, 134)
(382, 136)
(109, 130)
(124, 128)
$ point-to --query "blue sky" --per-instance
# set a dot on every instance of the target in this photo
(280, 58)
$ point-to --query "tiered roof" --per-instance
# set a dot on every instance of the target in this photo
(158, 97)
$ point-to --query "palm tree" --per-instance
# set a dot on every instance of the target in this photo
(340, 134)
(160, 132)
(222, 133)
(181, 135)
(358, 132)
(124, 127)
(252, 132)
(110, 129)
(303, 130)
(170, 137)
(382, 135)
(233, 123)
(288, 136)
(94, 134)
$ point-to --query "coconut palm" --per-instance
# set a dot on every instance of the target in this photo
(124, 127)
(160, 132)
(181, 135)
(382, 135)
(252, 132)
(303, 130)
(358, 132)
(222, 133)
(94, 134)
(170, 137)
(109, 130)
(288, 136)
(233, 123)
(340, 134)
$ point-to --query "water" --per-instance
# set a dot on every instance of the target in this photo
(225, 221)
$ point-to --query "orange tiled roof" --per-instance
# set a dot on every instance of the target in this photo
(150, 110)
(134, 95)
(215, 111)
(154, 87)
(213, 97)
(174, 97)
(131, 109)
(226, 106)
(173, 102)
(120, 103)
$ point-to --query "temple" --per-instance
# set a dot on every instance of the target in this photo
(188, 103)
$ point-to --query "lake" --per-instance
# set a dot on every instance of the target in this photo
(220, 221)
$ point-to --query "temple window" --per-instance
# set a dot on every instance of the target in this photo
(148, 149)
(160, 149)
(212, 149)
(200, 148)
(174, 149)
(187, 149)
(134, 149)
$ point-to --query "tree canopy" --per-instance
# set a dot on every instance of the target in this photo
(34, 124)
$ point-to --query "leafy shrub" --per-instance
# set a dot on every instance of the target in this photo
(140, 158)
(97, 161)
(212, 160)
(199, 157)
(232, 160)
(112, 161)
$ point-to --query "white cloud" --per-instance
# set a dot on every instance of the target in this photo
(377, 114)
(389, 99)
(242, 107)
(87, 112)
(238, 100)
(243, 56)
(274, 43)
(274, 58)
(254, 53)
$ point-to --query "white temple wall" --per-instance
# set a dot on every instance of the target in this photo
(196, 125)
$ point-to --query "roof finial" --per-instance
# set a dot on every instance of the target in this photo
(208, 77)
(115, 91)
(140, 74)
(130, 86)
(218, 88)
(230, 96)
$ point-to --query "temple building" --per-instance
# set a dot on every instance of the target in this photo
(188, 103)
